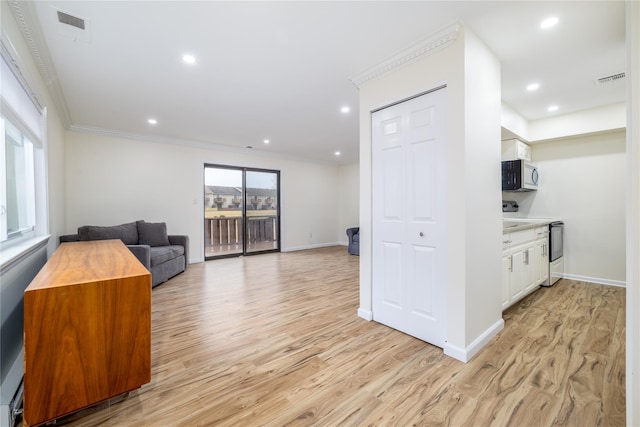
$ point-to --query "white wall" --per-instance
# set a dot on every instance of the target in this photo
(601, 119)
(349, 199)
(483, 151)
(633, 213)
(114, 180)
(473, 196)
(582, 181)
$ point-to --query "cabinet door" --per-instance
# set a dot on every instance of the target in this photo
(524, 151)
(530, 269)
(516, 279)
(544, 261)
(506, 273)
(536, 260)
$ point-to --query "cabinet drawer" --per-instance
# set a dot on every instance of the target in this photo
(506, 241)
(523, 236)
(542, 232)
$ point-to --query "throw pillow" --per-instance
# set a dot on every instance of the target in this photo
(153, 233)
(128, 233)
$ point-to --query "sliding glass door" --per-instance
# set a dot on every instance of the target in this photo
(241, 211)
(223, 218)
(262, 211)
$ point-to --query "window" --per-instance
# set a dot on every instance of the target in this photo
(17, 184)
(23, 196)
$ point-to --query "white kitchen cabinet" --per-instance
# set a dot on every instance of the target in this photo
(506, 272)
(517, 277)
(525, 263)
(541, 256)
(529, 275)
(514, 149)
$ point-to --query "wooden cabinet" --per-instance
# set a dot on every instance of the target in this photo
(525, 263)
(87, 329)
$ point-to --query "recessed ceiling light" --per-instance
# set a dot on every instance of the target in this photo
(152, 121)
(552, 108)
(337, 153)
(266, 141)
(549, 22)
(533, 86)
(189, 59)
(345, 109)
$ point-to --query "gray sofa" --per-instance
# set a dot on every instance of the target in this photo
(163, 255)
(354, 240)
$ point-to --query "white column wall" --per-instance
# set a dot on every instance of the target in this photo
(476, 228)
(445, 66)
(482, 190)
(633, 213)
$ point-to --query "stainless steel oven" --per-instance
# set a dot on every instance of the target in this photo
(556, 251)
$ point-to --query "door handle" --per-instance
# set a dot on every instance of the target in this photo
(421, 234)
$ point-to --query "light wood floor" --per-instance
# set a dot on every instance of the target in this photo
(274, 340)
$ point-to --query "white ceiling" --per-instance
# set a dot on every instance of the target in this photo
(281, 70)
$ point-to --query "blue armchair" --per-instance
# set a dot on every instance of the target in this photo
(354, 240)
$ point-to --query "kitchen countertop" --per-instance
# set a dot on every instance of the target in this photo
(517, 224)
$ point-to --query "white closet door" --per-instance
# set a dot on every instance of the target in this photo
(409, 236)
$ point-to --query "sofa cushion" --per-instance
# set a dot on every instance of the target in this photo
(128, 233)
(153, 234)
(160, 254)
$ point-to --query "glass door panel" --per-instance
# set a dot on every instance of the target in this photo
(262, 211)
(223, 216)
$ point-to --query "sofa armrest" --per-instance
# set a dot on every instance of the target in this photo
(351, 231)
(182, 240)
(69, 238)
(143, 253)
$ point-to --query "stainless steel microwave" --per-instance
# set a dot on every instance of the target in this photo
(519, 175)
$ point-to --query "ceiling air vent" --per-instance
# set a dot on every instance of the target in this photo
(608, 80)
(65, 18)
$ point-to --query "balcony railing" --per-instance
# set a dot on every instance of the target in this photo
(224, 231)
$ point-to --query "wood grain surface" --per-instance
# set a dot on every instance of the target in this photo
(87, 329)
(274, 340)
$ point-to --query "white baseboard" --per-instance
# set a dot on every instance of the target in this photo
(313, 246)
(465, 354)
(365, 314)
(597, 280)
(290, 249)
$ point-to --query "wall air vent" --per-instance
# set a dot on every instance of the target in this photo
(609, 80)
(65, 18)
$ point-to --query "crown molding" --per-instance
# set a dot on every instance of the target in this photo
(193, 144)
(27, 20)
(145, 137)
(435, 42)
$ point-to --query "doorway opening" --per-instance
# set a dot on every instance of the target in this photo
(241, 211)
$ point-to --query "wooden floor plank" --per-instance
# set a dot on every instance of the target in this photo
(274, 340)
